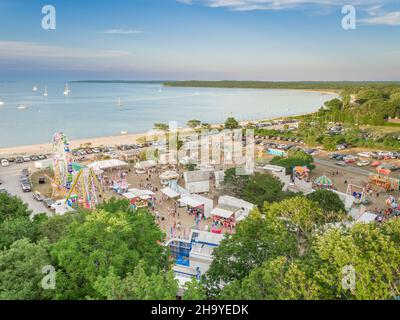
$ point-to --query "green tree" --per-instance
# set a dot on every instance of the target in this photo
(194, 290)
(21, 271)
(193, 123)
(329, 143)
(304, 217)
(277, 279)
(161, 126)
(12, 208)
(262, 188)
(138, 285)
(295, 158)
(327, 200)
(256, 240)
(370, 251)
(104, 240)
(231, 123)
(234, 183)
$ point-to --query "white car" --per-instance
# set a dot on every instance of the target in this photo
(363, 163)
(364, 154)
(5, 163)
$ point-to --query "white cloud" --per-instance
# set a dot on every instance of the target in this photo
(389, 19)
(20, 49)
(248, 5)
(123, 31)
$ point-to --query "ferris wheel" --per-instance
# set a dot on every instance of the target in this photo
(62, 163)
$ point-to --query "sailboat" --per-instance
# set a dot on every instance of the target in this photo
(67, 91)
(22, 107)
(46, 93)
(34, 89)
(119, 102)
(1, 103)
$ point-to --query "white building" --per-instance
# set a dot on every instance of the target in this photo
(193, 257)
(197, 181)
(243, 208)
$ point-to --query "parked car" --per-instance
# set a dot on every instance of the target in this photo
(19, 160)
(26, 172)
(376, 164)
(26, 159)
(12, 159)
(34, 158)
(350, 159)
(340, 163)
(48, 202)
(38, 196)
(41, 157)
(364, 154)
(5, 163)
(26, 187)
(363, 163)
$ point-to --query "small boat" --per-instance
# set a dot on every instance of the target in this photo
(1, 103)
(22, 107)
(119, 102)
(34, 89)
(46, 93)
(124, 133)
(67, 91)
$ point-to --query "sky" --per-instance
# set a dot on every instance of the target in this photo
(275, 40)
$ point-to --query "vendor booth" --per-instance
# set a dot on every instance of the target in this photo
(197, 205)
(223, 217)
(170, 193)
(144, 166)
(140, 198)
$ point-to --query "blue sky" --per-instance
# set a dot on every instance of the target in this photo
(200, 39)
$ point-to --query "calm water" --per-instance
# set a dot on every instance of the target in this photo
(92, 110)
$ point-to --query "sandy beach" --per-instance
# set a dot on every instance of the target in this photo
(46, 148)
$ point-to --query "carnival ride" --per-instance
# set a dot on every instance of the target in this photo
(358, 193)
(62, 164)
(324, 182)
(79, 184)
(85, 190)
(393, 204)
(382, 179)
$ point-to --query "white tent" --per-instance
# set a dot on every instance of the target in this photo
(146, 164)
(129, 195)
(367, 217)
(195, 200)
(107, 164)
(190, 201)
(170, 193)
(140, 192)
(224, 211)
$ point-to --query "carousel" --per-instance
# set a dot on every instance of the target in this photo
(168, 176)
(324, 182)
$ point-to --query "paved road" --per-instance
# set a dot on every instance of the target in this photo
(348, 168)
(9, 177)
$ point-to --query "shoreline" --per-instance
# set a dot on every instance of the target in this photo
(46, 148)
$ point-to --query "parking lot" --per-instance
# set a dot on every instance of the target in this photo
(10, 178)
